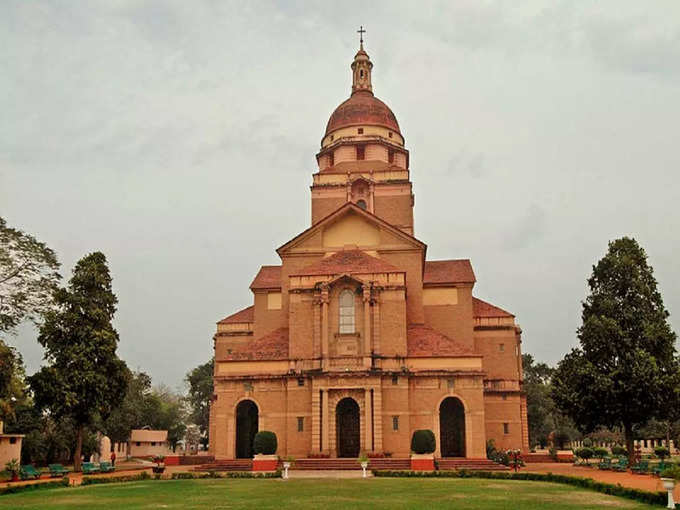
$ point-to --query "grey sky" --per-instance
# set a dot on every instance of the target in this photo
(179, 138)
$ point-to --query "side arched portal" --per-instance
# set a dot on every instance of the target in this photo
(347, 428)
(246, 428)
(452, 427)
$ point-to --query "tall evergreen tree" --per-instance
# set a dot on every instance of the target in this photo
(84, 379)
(625, 370)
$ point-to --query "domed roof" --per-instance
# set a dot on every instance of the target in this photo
(362, 108)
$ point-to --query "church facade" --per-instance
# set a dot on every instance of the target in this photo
(355, 340)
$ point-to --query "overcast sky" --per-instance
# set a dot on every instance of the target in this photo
(178, 138)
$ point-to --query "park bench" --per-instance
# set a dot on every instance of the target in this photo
(57, 470)
(106, 467)
(641, 468)
(28, 471)
(89, 468)
(621, 465)
(605, 463)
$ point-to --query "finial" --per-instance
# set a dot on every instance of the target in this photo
(361, 33)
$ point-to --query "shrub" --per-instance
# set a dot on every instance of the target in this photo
(662, 452)
(265, 443)
(587, 443)
(600, 453)
(619, 450)
(671, 472)
(585, 453)
(423, 441)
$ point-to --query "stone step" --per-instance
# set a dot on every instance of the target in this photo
(227, 465)
(471, 464)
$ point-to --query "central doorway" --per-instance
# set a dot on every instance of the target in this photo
(452, 427)
(347, 428)
(246, 428)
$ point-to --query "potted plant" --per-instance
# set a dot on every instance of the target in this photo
(13, 468)
(669, 477)
(287, 463)
(423, 446)
(159, 468)
(363, 461)
(264, 446)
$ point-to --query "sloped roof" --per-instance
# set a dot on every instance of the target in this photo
(448, 271)
(425, 342)
(272, 346)
(268, 277)
(348, 261)
(245, 315)
(346, 208)
(148, 436)
(483, 309)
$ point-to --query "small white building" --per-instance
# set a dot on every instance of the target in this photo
(10, 446)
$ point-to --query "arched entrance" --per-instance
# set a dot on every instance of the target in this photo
(347, 428)
(246, 428)
(452, 427)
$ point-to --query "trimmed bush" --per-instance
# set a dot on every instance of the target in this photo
(662, 452)
(423, 441)
(587, 443)
(671, 472)
(265, 443)
(600, 453)
(619, 450)
(584, 453)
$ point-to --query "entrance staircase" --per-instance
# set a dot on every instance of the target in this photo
(343, 464)
(227, 465)
(470, 464)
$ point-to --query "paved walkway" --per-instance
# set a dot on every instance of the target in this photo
(627, 479)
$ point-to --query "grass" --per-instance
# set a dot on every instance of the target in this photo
(379, 493)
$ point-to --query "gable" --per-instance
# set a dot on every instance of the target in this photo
(351, 229)
(350, 225)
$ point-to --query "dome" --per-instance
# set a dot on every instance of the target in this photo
(362, 108)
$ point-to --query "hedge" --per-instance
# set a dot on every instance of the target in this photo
(227, 474)
(96, 480)
(265, 443)
(13, 489)
(652, 498)
(423, 441)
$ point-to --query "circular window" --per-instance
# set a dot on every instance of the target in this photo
(362, 204)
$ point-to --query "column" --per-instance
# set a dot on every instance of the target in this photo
(316, 419)
(325, 418)
(369, 421)
(367, 325)
(377, 420)
(324, 327)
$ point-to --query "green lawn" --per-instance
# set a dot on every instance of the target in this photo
(323, 493)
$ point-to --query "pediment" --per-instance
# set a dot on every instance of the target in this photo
(350, 226)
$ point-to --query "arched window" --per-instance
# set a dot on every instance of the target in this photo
(346, 311)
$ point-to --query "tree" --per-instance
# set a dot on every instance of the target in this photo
(131, 413)
(28, 277)
(165, 410)
(540, 406)
(200, 381)
(12, 381)
(84, 380)
(625, 370)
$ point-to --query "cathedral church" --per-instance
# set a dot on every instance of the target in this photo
(355, 340)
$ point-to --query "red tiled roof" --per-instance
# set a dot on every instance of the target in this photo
(272, 346)
(424, 342)
(245, 315)
(362, 108)
(483, 309)
(448, 271)
(348, 261)
(268, 277)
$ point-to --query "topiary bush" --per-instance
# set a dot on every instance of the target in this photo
(265, 443)
(600, 452)
(587, 443)
(662, 452)
(423, 442)
(619, 451)
(584, 453)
